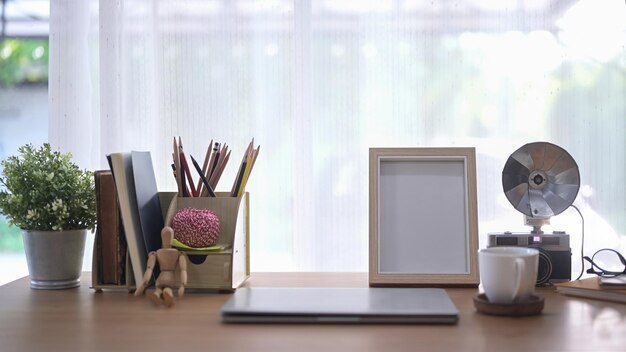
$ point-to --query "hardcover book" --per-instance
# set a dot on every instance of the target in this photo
(111, 246)
(122, 168)
(148, 205)
(590, 288)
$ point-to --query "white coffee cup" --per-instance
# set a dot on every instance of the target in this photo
(508, 274)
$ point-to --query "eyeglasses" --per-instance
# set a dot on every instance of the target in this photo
(606, 263)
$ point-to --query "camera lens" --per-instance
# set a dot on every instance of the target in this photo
(544, 271)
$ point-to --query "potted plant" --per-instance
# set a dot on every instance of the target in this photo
(54, 203)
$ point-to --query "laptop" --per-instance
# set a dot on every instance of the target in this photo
(340, 305)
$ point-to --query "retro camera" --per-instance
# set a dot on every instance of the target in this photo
(555, 262)
(541, 180)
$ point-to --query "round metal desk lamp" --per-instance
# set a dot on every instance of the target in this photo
(540, 180)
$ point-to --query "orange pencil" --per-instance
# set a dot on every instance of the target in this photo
(185, 166)
(178, 169)
(218, 174)
(213, 166)
(204, 166)
(207, 170)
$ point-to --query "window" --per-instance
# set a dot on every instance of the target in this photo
(319, 82)
(23, 102)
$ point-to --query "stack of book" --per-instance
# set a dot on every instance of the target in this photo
(607, 289)
(130, 219)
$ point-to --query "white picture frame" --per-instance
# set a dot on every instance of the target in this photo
(423, 221)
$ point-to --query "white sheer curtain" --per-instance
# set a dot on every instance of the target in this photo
(317, 83)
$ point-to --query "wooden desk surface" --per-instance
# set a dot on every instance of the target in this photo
(82, 320)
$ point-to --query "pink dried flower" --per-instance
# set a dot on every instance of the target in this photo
(196, 227)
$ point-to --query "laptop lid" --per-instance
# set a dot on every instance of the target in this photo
(340, 305)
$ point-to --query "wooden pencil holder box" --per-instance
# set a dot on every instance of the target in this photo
(224, 269)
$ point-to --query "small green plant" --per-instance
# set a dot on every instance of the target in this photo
(46, 191)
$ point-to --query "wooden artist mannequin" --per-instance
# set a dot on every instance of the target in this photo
(169, 259)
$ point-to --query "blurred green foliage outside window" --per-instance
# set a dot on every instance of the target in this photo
(23, 61)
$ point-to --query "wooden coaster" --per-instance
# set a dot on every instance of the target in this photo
(533, 306)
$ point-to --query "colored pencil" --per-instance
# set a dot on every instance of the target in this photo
(202, 177)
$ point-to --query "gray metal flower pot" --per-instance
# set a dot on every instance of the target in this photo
(54, 258)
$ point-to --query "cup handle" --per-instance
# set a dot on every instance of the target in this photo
(520, 267)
